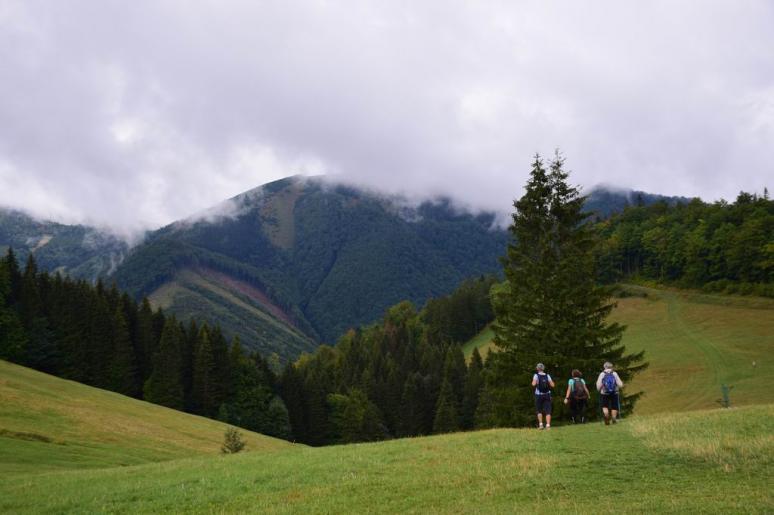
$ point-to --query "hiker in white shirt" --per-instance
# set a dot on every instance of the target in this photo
(543, 384)
(608, 385)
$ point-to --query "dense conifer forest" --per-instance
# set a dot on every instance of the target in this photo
(102, 337)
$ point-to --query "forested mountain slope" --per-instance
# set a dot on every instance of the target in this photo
(298, 261)
(79, 251)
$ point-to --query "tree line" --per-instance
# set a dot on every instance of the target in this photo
(403, 376)
(718, 247)
(102, 337)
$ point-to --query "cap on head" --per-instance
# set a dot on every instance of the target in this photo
(608, 365)
(540, 367)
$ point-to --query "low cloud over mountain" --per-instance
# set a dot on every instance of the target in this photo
(135, 114)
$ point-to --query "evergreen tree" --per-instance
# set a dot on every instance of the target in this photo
(446, 415)
(14, 278)
(354, 418)
(188, 355)
(203, 376)
(221, 381)
(123, 367)
(164, 386)
(551, 310)
(292, 392)
(277, 419)
(455, 372)
(146, 341)
(473, 384)
(98, 343)
(13, 339)
(232, 442)
(412, 407)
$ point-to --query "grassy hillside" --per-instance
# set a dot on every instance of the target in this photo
(717, 461)
(482, 341)
(49, 424)
(238, 307)
(694, 343)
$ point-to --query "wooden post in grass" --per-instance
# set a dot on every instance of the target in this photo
(725, 401)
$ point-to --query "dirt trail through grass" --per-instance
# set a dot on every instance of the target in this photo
(710, 378)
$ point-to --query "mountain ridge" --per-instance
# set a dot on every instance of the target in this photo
(298, 261)
(330, 257)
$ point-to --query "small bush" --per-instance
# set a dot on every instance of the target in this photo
(232, 442)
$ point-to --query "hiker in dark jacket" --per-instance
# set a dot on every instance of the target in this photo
(577, 396)
(543, 384)
(609, 385)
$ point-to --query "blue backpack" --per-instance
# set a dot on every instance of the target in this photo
(608, 383)
(542, 385)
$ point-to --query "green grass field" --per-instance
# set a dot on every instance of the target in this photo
(49, 424)
(707, 461)
(694, 343)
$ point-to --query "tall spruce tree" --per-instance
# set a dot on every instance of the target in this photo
(123, 361)
(473, 384)
(146, 340)
(292, 391)
(447, 418)
(412, 406)
(13, 338)
(164, 386)
(455, 372)
(552, 309)
(203, 376)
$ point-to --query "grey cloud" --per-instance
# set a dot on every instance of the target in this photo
(135, 114)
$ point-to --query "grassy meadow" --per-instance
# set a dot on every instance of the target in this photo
(705, 461)
(694, 343)
(49, 424)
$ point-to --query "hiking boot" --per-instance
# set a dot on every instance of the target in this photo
(615, 421)
(607, 421)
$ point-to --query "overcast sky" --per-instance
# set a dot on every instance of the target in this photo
(133, 114)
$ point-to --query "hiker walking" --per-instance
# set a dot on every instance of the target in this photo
(577, 396)
(609, 384)
(543, 384)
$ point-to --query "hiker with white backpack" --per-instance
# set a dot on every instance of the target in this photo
(543, 384)
(577, 396)
(609, 385)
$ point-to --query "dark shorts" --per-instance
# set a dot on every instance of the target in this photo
(543, 403)
(609, 401)
(578, 406)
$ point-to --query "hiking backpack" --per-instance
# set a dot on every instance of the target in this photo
(542, 385)
(608, 383)
(578, 390)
